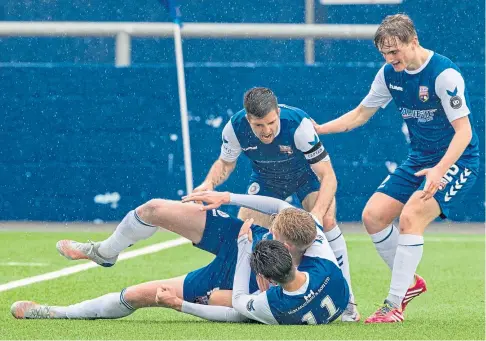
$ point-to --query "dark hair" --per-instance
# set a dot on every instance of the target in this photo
(398, 26)
(258, 102)
(272, 260)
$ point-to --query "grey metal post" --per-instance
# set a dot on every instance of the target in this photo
(123, 49)
(309, 42)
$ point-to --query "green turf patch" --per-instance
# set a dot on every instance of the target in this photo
(453, 307)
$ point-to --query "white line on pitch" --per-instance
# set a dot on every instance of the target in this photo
(83, 267)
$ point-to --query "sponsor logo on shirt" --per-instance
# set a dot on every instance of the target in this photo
(396, 87)
(422, 116)
(249, 148)
(455, 101)
(423, 93)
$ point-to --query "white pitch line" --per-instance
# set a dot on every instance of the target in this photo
(83, 267)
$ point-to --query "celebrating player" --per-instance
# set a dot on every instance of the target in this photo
(287, 157)
(443, 162)
(313, 293)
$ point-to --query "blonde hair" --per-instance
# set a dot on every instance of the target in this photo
(398, 26)
(295, 226)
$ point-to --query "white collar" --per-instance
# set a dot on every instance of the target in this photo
(414, 72)
(301, 290)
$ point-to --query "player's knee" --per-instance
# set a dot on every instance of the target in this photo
(370, 220)
(410, 215)
(138, 297)
(150, 209)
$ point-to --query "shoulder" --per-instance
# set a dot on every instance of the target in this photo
(238, 120)
(294, 116)
(440, 63)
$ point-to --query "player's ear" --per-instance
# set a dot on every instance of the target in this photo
(278, 111)
(288, 246)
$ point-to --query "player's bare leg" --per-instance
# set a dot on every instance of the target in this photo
(143, 295)
(184, 219)
(259, 218)
(338, 245)
(221, 298)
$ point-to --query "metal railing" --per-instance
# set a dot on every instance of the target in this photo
(124, 31)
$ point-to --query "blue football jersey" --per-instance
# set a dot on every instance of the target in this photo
(320, 300)
(287, 158)
(429, 99)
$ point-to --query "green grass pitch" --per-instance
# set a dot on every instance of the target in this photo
(452, 309)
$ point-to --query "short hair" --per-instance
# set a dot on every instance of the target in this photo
(258, 102)
(398, 26)
(295, 226)
(272, 260)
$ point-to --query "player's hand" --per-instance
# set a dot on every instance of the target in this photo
(318, 127)
(432, 181)
(205, 186)
(263, 283)
(246, 230)
(213, 199)
(166, 297)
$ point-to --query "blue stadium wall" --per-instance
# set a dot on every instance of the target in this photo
(82, 140)
(70, 134)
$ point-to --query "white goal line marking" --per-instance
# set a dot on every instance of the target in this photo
(83, 267)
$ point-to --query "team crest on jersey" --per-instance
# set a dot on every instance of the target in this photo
(254, 188)
(423, 93)
(286, 149)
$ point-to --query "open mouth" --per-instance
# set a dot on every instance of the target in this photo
(267, 137)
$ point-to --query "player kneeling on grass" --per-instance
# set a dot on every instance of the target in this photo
(315, 292)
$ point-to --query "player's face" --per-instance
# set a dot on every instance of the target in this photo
(265, 128)
(398, 54)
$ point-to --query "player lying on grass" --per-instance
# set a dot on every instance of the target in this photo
(311, 293)
(215, 232)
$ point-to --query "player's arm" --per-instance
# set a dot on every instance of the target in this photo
(327, 190)
(258, 203)
(378, 97)
(349, 121)
(166, 297)
(308, 142)
(450, 87)
(254, 307)
(225, 164)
